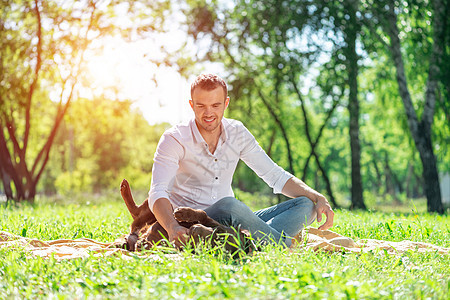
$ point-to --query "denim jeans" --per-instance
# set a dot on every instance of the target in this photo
(278, 223)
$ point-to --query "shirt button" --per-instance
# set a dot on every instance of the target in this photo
(217, 178)
(215, 159)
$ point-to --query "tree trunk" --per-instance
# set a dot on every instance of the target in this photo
(350, 33)
(408, 180)
(6, 180)
(390, 181)
(421, 131)
(8, 170)
(430, 174)
(377, 172)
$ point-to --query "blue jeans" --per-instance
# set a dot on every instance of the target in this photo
(278, 223)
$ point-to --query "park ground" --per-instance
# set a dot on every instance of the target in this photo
(273, 273)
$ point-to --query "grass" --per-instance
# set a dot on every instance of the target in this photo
(274, 273)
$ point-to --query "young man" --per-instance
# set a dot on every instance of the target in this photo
(194, 165)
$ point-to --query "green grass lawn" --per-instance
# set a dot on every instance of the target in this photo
(274, 273)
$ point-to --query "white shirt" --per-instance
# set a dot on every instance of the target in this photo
(186, 173)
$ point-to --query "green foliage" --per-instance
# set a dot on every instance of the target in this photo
(100, 143)
(272, 273)
(42, 50)
(263, 45)
(68, 183)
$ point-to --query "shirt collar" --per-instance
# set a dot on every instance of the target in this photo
(198, 138)
(224, 134)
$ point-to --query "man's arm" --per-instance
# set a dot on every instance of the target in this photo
(294, 188)
(163, 211)
(167, 156)
(281, 181)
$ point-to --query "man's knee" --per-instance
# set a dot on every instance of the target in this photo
(309, 208)
(227, 211)
(312, 212)
(229, 204)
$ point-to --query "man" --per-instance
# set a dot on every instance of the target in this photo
(194, 165)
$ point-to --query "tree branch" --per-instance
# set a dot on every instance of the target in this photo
(34, 82)
(327, 180)
(12, 134)
(281, 126)
(45, 151)
(368, 23)
(305, 116)
(319, 135)
(435, 60)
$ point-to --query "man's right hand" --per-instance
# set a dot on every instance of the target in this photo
(178, 235)
(162, 208)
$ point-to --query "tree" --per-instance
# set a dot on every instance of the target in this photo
(273, 50)
(259, 43)
(339, 21)
(388, 13)
(351, 32)
(42, 50)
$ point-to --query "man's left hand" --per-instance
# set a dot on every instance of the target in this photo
(323, 207)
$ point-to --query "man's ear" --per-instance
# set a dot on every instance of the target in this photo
(227, 101)
(191, 103)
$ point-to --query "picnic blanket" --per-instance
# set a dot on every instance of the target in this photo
(327, 240)
(69, 249)
(310, 238)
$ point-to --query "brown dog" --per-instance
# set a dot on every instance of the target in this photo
(146, 231)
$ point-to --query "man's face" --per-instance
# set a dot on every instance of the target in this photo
(208, 107)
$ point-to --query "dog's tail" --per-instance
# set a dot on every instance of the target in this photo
(125, 191)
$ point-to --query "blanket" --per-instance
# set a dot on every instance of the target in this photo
(327, 240)
(310, 238)
(68, 249)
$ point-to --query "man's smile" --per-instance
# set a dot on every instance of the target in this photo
(209, 120)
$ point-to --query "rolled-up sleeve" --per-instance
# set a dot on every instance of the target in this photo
(258, 160)
(167, 156)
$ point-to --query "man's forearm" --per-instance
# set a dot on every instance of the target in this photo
(295, 187)
(163, 211)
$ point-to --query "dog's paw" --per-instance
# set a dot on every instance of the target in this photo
(190, 215)
(198, 230)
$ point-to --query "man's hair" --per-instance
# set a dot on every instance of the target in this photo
(209, 82)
